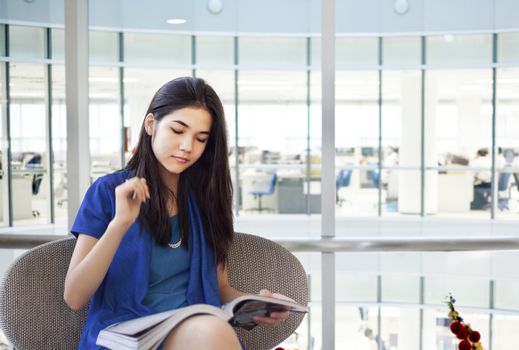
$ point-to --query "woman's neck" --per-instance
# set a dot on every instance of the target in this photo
(171, 181)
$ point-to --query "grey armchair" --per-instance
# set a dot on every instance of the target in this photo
(33, 314)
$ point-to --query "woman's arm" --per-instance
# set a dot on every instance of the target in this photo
(228, 293)
(92, 257)
(89, 264)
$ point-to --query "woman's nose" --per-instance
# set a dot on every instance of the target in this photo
(186, 144)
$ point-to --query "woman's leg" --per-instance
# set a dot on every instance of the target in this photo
(202, 332)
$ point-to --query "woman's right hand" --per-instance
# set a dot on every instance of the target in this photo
(128, 199)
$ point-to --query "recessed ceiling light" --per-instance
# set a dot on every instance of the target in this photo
(176, 21)
(215, 6)
(401, 6)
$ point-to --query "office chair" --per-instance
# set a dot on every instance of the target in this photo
(516, 178)
(35, 162)
(502, 187)
(33, 314)
(343, 180)
(374, 175)
(270, 190)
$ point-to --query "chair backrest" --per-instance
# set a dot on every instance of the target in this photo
(33, 314)
(503, 180)
(272, 184)
(343, 179)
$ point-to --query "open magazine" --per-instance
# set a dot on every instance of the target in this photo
(148, 332)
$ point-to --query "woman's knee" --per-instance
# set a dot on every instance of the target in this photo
(203, 330)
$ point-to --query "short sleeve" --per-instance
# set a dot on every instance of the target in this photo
(96, 210)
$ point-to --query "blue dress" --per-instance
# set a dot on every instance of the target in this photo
(121, 294)
(169, 274)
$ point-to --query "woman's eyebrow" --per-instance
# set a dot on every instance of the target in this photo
(187, 126)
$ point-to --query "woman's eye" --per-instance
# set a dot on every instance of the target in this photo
(201, 140)
(176, 131)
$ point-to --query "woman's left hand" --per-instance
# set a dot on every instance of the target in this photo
(275, 318)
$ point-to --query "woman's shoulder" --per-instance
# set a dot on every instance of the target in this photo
(111, 180)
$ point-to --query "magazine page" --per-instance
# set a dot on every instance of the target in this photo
(149, 331)
(137, 325)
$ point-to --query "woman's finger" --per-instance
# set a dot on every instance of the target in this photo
(137, 189)
(141, 190)
(279, 315)
(283, 297)
(266, 321)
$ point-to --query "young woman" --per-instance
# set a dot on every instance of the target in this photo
(155, 235)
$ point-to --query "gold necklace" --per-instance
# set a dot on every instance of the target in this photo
(175, 245)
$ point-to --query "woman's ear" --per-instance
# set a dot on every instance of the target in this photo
(149, 123)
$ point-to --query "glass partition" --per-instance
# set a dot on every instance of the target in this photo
(272, 120)
(26, 42)
(458, 134)
(459, 49)
(4, 198)
(152, 50)
(105, 121)
(28, 144)
(356, 143)
(59, 143)
(507, 140)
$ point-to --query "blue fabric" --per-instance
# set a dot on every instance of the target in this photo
(169, 274)
(120, 295)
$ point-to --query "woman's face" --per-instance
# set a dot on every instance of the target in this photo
(179, 138)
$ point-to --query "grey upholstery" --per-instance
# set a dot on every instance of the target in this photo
(33, 314)
(256, 263)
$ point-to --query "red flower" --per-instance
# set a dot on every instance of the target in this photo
(456, 327)
(474, 336)
(464, 345)
(463, 333)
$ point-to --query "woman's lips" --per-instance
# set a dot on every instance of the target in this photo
(180, 159)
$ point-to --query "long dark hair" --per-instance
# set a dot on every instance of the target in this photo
(208, 179)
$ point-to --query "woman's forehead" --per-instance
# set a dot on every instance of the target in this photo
(195, 118)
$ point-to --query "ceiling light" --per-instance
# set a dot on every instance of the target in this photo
(215, 6)
(176, 21)
(401, 6)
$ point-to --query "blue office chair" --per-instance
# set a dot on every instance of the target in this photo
(259, 194)
(343, 180)
(502, 187)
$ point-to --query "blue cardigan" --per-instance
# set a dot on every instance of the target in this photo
(119, 297)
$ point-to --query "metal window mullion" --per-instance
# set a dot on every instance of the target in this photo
(237, 190)
(491, 314)
(379, 311)
(308, 105)
(121, 99)
(493, 188)
(49, 159)
(422, 131)
(193, 55)
(380, 62)
(421, 315)
(328, 169)
(7, 136)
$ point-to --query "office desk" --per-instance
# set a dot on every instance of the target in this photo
(291, 198)
(22, 196)
(455, 192)
(293, 194)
